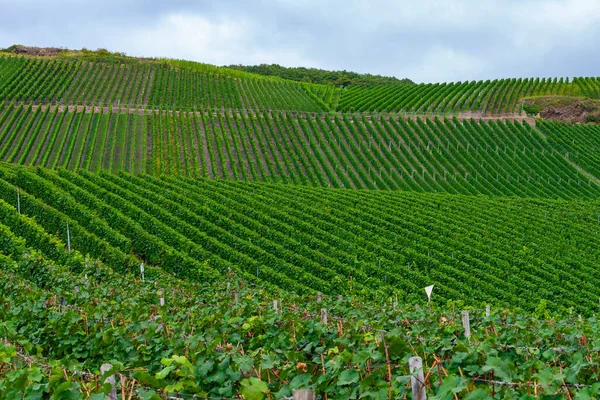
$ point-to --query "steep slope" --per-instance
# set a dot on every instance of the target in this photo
(453, 156)
(490, 97)
(580, 144)
(146, 85)
(510, 252)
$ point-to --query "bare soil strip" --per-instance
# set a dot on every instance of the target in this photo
(142, 109)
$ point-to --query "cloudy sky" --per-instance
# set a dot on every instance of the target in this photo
(424, 40)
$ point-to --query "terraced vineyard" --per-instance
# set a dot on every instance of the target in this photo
(453, 156)
(385, 241)
(580, 144)
(494, 97)
(91, 139)
(146, 85)
(193, 86)
(152, 210)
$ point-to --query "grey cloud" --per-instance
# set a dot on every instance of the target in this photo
(425, 41)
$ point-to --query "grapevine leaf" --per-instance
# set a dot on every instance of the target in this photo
(348, 377)
(254, 389)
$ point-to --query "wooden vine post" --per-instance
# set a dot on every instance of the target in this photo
(68, 237)
(466, 323)
(112, 395)
(417, 379)
(323, 316)
(304, 394)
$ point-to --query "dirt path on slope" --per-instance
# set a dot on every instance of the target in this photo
(144, 110)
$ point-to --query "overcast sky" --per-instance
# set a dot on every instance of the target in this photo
(424, 40)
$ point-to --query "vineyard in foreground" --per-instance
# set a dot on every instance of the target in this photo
(166, 338)
(509, 252)
(364, 152)
(169, 332)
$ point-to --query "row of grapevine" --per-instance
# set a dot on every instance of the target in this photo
(589, 87)
(146, 85)
(425, 155)
(192, 89)
(94, 140)
(165, 338)
(580, 144)
(510, 251)
(185, 86)
(468, 157)
(34, 79)
(107, 84)
(491, 97)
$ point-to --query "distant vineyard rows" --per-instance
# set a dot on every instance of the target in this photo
(577, 143)
(454, 156)
(504, 251)
(495, 97)
(491, 97)
(192, 86)
(146, 85)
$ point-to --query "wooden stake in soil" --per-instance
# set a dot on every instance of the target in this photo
(110, 380)
(324, 316)
(304, 394)
(68, 237)
(417, 379)
(466, 323)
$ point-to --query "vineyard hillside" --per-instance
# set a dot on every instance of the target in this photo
(176, 230)
(146, 85)
(515, 252)
(177, 84)
(466, 156)
(483, 98)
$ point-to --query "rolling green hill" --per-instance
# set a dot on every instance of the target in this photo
(490, 97)
(147, 84)
(185, 85)
(511, 252)
(347, 151)
(152, 211)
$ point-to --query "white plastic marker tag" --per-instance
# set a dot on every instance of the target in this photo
(142, 271)
(428, 290)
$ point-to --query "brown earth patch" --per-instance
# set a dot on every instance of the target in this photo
(564, 114)
(36, 51)
(574, 110)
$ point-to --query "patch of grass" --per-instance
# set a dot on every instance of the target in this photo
(532, 109)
